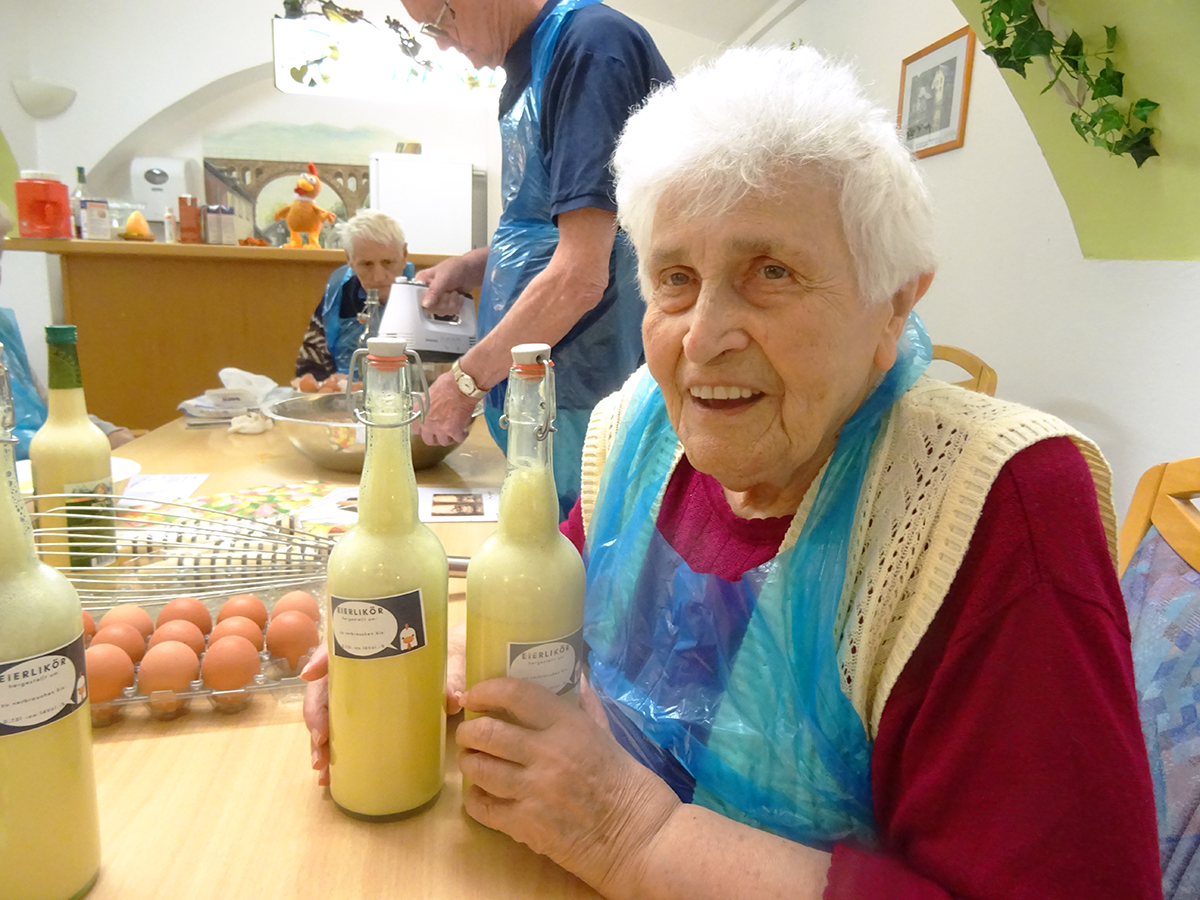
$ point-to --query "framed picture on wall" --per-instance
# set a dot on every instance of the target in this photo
(934, 86)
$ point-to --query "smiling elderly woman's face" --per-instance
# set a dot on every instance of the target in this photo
(759, 340)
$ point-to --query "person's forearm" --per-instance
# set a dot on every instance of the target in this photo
(700, 854)
(474, 264)
(559, 296)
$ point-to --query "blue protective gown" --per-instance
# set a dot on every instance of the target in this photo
(607, 340)
(731, 690)
(343, 332)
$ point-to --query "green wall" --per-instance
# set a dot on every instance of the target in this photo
(1119, 210)
(8, 174)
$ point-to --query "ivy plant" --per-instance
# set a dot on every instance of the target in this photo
(1016, 35)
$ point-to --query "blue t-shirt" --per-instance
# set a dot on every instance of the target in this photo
(604, 65)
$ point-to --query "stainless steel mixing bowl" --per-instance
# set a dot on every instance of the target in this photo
(321, 426)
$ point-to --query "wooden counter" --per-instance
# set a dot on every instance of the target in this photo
(224, 806)
(158, 321)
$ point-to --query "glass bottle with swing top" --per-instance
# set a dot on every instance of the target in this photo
(386, 614)
(525, 585)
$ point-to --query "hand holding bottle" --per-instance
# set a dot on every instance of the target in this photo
(316, 695)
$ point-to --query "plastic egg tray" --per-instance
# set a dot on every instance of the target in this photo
(275, 677)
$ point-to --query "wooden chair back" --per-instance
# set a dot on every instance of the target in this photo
(982, 376)
(1163, 498)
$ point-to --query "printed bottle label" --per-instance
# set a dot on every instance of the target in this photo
(42, 689)
(91, 524)
(555, 665)
(379, 627)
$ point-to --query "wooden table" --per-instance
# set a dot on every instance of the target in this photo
(215, 805)
(158, 321)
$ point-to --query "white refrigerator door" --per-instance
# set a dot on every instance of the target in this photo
(431, 200)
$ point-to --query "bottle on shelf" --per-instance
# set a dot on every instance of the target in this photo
(49, 824)
(386, 617)
(525, 584)
(68, 456)
(77, 201)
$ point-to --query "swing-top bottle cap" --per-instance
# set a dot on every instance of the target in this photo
(530, 354)
(60, 334)
(387, 345)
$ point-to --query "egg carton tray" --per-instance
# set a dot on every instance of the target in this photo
(169, 705)
(275, 676)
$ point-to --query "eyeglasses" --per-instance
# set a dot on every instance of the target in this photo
(434, 29)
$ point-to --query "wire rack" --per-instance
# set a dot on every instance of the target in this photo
(152, 553)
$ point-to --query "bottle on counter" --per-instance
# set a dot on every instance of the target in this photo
(525, 584)
(49, 825)
(77, 201)
(70, 455)
(386, 618)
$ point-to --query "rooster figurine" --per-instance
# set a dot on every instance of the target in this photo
(302, 215)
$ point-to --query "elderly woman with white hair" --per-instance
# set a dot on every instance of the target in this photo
(376, 255)
(853, 632)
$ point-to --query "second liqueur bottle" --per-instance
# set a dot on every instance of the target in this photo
(525, 584)
(49, 824)
(386, 620)
(69, 455)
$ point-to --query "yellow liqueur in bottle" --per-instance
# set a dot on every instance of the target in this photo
(69, 456)
(525, 584)
(386, 619)
(49, 824)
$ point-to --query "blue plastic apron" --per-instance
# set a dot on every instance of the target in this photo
(607, 339)
(736, 683)
(342, 334)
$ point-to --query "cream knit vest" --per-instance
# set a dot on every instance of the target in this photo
(931, 469)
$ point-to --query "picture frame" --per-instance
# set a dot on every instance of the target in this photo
(935, 84)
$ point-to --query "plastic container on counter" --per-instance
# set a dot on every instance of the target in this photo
(277, 674)
(43, 206)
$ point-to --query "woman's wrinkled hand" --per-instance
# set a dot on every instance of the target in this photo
(316, 695)
(545, 772)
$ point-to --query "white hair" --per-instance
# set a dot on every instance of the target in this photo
(741, 124)
(371, 225)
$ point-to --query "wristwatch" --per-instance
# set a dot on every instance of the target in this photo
(465, 382)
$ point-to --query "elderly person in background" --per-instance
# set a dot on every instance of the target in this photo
(853, 632)
(376, 254)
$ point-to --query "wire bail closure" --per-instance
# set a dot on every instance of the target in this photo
(360, 412)
(547, 427)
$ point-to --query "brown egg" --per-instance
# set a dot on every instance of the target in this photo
(169, 666)
(247, 628)
(230, 663)
(298, 600)
(290, 635)
(247, 605)
(188, 608)
(179, 630)
(130, 615)
(109, 671)
(89, 626)
(124, 636)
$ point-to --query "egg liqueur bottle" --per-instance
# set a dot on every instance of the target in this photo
(49, 827)
(70, 455)
(386, 631)
(525, 585)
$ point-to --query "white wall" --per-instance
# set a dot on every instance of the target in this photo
(1106, 345)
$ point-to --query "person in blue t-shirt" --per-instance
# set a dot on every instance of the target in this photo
(377, 255)
(557, 270)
